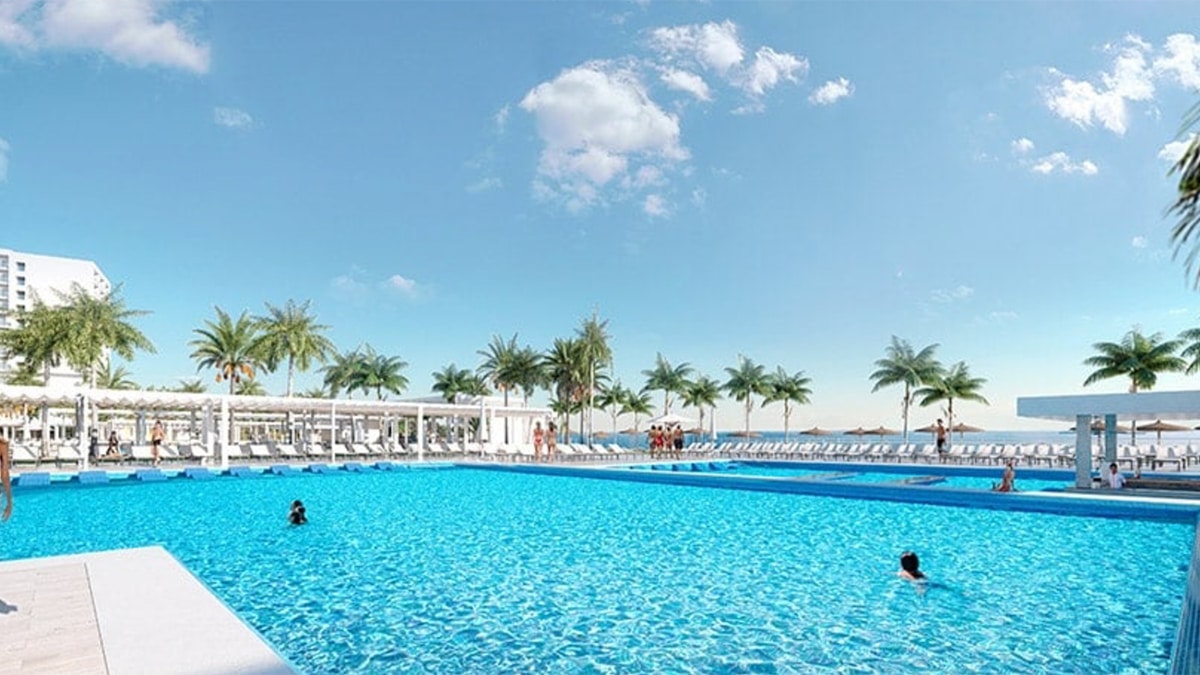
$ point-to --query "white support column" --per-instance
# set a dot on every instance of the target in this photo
(420, 433)
(208, 432)
(333, 431)
(1110, 440)
(224, 431)
(1083, 451)
(85, 436)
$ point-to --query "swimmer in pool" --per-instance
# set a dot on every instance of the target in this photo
(910, 568)
(297, 515)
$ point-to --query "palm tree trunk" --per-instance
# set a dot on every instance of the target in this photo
(506, 418)
(787, 413)
(749, 404)
(666, 401)
(291, 375)
(950, 418)
(904, 409)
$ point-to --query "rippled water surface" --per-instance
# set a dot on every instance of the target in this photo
(469, 571)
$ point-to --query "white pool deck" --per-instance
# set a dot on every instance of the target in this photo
(125, 612)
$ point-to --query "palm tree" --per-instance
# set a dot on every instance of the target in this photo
(593, 336)
(1138, 357)
(529, 372)
(611, 399)
(291, 334)
(315, 392)
(250, 388)
(955, 384)
(499, 364)
(451, 381)
(41, 341)
(193, 386)
(704, 391)
(231, 347)
(378, 373)
(745, 381)
(99, 325)
(23, 377)
(667, 378)
(108, 377)
(339, 371)
(789, 389)
(1187, 204)
(565, 366)
(637, 405)
(902, 365)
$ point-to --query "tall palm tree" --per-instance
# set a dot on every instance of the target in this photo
(99, 325)
(290, 334)
(746, 381)
(451, 381)
(378, 373)
(611, 399)
(901, 364)
(954, 384)
(789, 389)
(592, 335)
(704, 391)
(566, 369)
(1191, 349)
(231, 347)
(667, 378)
(339, 370)
(108, 377)
(499, 364)
(637, 404)
(1187, 203)
(1139, 357)
(529, 372)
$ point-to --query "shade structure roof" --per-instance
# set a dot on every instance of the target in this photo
(882, 431)
(816, 431)
(1159, 425)
(160, 400)
(1146, 405)
(961, 428)
(857, 432)
(927, 429)
(671, 418)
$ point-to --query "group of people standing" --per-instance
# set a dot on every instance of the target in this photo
(547, 437)
(666, 441)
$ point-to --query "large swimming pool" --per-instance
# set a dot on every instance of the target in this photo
(471, 571)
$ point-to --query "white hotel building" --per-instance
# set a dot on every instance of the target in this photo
(25, 276)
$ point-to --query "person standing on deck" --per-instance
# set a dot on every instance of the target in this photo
(5, 478)
(157, 434)
(941, 441)
(538, 436)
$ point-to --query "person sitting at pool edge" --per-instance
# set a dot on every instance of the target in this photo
(1116, 480)
(910, 567)
(297, 515)
(1008, 480)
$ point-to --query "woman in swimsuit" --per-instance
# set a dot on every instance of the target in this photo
(551, 441)
(157, 434)
(538, 436)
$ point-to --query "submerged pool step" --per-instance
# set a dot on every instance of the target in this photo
(320, 468)
(93, 477)
(282, 470)
(33, 479)
(353, 467)
(198, 473)
(149, 475)
(243, 472)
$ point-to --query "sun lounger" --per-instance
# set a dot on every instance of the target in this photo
(259, 451)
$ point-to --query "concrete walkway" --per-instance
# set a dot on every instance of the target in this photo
(121, 612)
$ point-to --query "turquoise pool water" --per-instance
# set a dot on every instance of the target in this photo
(468, 571)
(861, 474)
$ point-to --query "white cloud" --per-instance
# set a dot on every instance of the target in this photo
(402, 285)
(1061, 162)
(1182, 60)
(953, 295)
(1003, 315)
(129, 31)
(770, 68)
(501, 119)
(13, 31)
(1138, 242)
(1022, 146)
(1132, 77)
(644, 177)
(348, 285)
(714, 45)
(595, 120)
(4, 147)
(699, 197)
(1178, 311)
(655, 206)
(1171, 152)
(485, 184)
(682, 80)
(232, 118)
(831, 91)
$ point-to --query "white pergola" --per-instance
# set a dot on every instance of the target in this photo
(218, 409)
(1149, 405)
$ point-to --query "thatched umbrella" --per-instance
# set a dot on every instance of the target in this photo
(927, 429)
(1098, 426)
(1159, 426)
(815, 431)
(744, 434)
(882, 431)
(857, 432)
(961, 429)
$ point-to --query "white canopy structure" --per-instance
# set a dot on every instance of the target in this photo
(225, 407)
(1146, 405)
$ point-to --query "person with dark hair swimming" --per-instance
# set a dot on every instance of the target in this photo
(910, 567)
(297, 515)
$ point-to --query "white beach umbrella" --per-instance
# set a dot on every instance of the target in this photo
(672, 418)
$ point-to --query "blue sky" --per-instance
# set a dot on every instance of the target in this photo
(795, 182)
